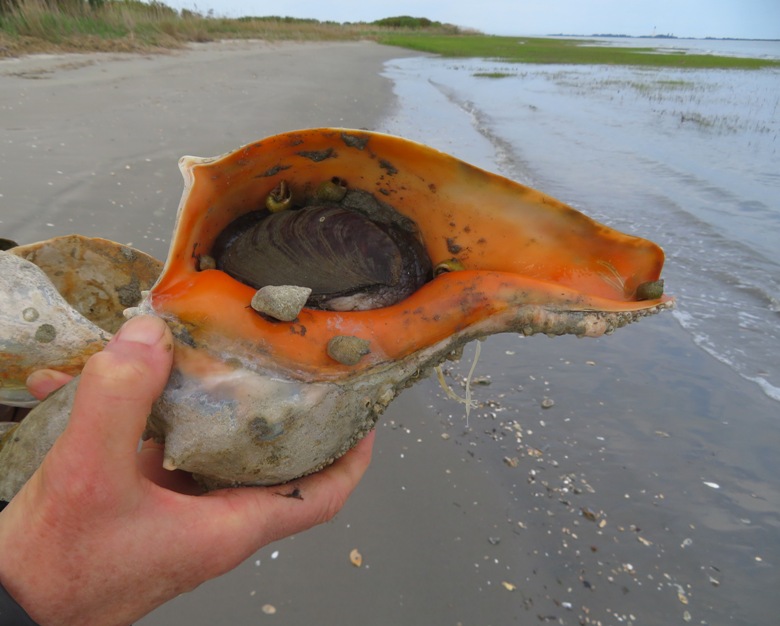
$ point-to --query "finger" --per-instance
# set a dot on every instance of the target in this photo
(116, 391)
(43, 382)
(330, 488)
(323, 494)
(253, 517)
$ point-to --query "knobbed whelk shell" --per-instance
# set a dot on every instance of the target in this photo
(63, 299)
(256, 400)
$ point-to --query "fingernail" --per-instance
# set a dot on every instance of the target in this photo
(145, 329)
(41, 378)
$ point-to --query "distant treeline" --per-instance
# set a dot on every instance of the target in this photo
(400, 21)
(406, 21)
(278, 19)
(78, 6)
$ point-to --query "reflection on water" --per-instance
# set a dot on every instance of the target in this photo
(687, 158)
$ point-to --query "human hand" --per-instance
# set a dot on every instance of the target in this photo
(100, 535)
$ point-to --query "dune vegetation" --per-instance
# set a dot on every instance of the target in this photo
(32, 26)
(35, 26)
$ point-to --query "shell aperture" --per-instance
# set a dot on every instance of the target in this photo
(349, 260)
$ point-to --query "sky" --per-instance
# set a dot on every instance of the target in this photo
(745, 19)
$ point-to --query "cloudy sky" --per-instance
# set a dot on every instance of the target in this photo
(749, 19)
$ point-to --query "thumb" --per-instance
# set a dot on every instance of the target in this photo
(116, 392)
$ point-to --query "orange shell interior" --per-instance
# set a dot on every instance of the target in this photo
(517, 246)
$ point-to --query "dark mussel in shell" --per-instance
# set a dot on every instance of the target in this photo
(356, 255)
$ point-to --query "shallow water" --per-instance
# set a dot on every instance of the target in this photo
(647, 493)
(753, 48)
(686, 158)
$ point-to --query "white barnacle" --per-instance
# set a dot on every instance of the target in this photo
(282, 302)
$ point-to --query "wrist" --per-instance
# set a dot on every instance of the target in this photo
(25, 587)
(11, 613)
(49, 578)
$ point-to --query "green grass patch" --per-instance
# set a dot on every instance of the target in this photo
(493, 74)
(562, 51)
(675, 84)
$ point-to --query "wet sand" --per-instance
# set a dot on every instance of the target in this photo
(599, 509)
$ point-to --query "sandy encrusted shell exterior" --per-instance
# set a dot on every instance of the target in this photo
(63, 298)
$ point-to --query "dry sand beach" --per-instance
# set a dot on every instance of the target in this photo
(635, 497)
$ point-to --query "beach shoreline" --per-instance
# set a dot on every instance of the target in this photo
(596, 509)
(90, 126)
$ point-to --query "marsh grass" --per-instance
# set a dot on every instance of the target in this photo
(650, 88)
(693, 102)
(493, 74)
(28, 26)
(563, 51)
